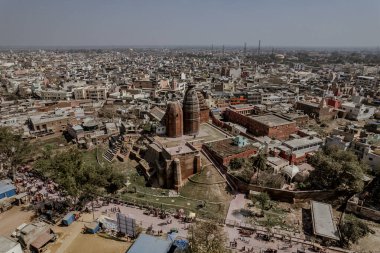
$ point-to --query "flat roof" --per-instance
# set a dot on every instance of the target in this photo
(45, 119)
(323, 220)
(302, 142)
(271, 120)
(226, 147)
(148, 244)
(6, 244)
(179, 150)
(241, 106)
(4, 187)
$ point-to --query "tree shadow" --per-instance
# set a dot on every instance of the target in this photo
(307, 221)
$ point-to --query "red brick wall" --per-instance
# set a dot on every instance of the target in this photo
(246, 154)
(280, 132)
(205, 116)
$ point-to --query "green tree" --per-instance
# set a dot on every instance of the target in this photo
(337, 170)
(351, 230)
(236, 163)
(259, 162)
(14, 151)
(206, 237)
(80, 180)
(263, 199)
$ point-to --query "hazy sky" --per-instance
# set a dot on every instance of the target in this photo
(189, 22)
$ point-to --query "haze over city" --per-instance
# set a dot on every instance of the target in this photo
(189, 126)
(322, 23)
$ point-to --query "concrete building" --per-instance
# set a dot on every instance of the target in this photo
(244, 109)
(296, 150)
(56, 95)
(36, 236)
(358, 111)
(365, 81)
(319, 111)
(9, 246)
(48, 124)
(270, 125)
(91, 92)
(223, 151)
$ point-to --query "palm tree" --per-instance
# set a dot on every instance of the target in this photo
(260, 163)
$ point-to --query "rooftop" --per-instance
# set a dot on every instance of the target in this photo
(6, 244)
(45, 119)
(226, 147)
(148, 244)
(295, 143)
(323, 223)
(179, 150)
(4, 186)
(271, 120)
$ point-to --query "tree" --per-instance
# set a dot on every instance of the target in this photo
(351, 230)
(236, 163)
(80, 180)
(206, 237)
(260, 163)
(337, 170)
(263, 199)
(13, 149)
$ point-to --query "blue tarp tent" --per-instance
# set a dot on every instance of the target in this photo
(68, 219)
(92, 228)
(7, 189)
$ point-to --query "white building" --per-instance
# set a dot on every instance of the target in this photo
(337, 141)
(91, 92)
(366, 80)
(357, 111)
(9, 246)
(55, 95)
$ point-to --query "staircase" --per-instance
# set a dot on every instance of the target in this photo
(114, 148)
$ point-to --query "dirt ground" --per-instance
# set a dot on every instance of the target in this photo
(11, 219)
(370, 243)
(72, 240)
(98, 243)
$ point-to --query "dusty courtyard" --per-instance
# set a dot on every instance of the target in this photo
(11, 219)
(72, 240)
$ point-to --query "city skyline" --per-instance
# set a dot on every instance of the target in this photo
(116, 23)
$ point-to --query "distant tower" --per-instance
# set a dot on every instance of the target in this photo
(223, 50)
(245, 49)
(174, 120)
(258, 50)
(191, 111)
